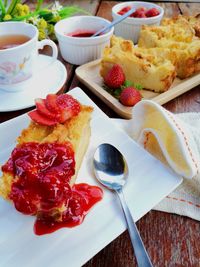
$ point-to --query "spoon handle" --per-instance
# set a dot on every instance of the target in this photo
(142, 257)
(114, 22)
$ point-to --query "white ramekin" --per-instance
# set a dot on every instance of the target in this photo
(76, 50)
(130, 27)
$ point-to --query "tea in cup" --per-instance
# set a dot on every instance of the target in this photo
(19, 47)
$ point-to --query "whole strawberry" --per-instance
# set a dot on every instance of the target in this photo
(130, 96)
(115, 77)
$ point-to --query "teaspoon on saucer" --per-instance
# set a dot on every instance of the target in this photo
(111, 171)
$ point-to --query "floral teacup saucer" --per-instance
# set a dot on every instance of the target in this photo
(49, 80)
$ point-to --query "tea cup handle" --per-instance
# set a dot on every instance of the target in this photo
(50, 43)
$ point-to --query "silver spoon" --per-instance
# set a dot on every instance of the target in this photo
(113, 23)
(111, 170)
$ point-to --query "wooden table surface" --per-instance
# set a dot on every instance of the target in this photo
(171, 240)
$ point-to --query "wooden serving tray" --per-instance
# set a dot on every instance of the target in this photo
(89, 75)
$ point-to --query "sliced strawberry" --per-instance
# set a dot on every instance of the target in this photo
(39, 118)
(65, 115)
(55, 109)
(51, 103)
(43, 110)
(68, 106)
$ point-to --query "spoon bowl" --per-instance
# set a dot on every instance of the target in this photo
(110, 167)
(111, 170)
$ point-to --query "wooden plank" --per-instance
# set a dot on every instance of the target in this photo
(170, 9)
(171, 241)
(189, 9)
(188, 102)
(105, 9)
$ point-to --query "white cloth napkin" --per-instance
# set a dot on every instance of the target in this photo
(175, 140)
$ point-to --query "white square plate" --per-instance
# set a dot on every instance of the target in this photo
(149, 182)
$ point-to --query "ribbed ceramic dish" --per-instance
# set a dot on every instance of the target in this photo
(76, 50)
(129, 28)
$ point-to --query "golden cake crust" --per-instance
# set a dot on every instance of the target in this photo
(193, 21)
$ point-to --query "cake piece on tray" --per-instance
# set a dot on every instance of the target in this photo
(149, 70)
(179, 35)
(39, 176)
(194, 22)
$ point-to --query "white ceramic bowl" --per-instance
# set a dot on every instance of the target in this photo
(130, 27)
(80, 50)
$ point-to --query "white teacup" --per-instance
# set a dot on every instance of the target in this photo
(19, 63)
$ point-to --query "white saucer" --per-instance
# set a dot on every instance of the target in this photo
(49, 80)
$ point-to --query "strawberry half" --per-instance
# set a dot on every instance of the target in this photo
(115, 77)
(130, 96)
(42, 108)
(40, 119)
(69, 106)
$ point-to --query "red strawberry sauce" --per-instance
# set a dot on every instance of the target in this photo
(43, 173)
(83, 197)
(81, 33)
